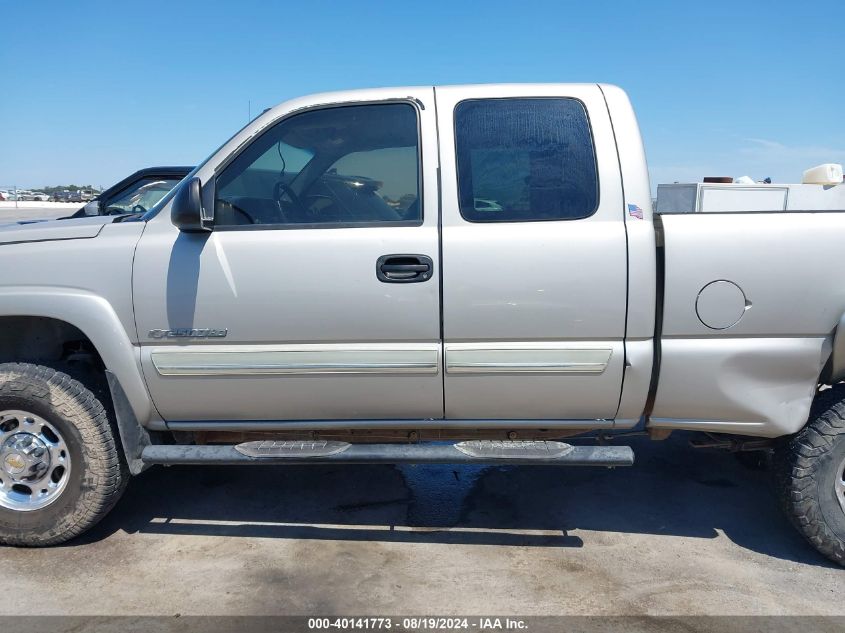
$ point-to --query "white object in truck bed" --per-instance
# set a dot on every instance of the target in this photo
(727, 197)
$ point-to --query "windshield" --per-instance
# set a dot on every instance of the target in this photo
(166, 198)
(155, 209)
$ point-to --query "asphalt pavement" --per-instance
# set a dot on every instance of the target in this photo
(684, 531)
(33, 211)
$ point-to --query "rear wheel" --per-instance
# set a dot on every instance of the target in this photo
(810, 467)
(60, 470)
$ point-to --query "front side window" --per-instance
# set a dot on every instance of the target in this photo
(348, 165)
(525, 160)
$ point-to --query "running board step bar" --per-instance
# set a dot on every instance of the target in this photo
(334, 452)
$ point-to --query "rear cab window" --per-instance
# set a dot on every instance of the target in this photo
(525, 160)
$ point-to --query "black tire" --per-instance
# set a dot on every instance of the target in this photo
(98, 474)
(806, 466)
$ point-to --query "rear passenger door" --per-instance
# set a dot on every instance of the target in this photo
(534, 253)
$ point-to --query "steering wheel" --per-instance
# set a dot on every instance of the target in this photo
(244, 213)
(238, 209)
(281, 188)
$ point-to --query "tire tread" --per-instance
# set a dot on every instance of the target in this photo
(106, 473)
(796, 471)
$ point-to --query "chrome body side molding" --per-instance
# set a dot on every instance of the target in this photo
(555, 358)
(252, 360)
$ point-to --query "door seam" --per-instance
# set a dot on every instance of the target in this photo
(440, 255)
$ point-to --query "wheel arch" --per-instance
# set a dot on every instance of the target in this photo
(51, 317)
(834, 369)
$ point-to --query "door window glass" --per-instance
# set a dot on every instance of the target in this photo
(350, 165)
(525, 160)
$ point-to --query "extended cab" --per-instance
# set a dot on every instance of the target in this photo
(355, 275)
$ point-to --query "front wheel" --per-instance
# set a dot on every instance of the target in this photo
(810, 469)
(60, 469)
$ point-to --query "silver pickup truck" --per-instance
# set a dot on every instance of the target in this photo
(450, 275)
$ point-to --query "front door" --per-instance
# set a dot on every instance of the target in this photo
(316, 296)
(534, 254)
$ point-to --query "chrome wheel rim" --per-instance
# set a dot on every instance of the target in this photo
(34, 461)
(839, 483)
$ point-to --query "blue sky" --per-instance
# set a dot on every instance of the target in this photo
(90, 91)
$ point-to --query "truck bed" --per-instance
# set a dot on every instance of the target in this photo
(762, 281)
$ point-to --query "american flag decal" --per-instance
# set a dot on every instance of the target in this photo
(635, 212)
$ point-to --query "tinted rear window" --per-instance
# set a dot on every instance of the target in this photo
(525, 160)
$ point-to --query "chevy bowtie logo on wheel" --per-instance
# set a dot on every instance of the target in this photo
(189, 333)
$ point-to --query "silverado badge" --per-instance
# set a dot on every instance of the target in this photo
(189, 333)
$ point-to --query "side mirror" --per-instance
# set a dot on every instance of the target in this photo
(91, 208)
(186, 210)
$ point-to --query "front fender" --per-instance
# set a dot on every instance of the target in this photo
(96, 318)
